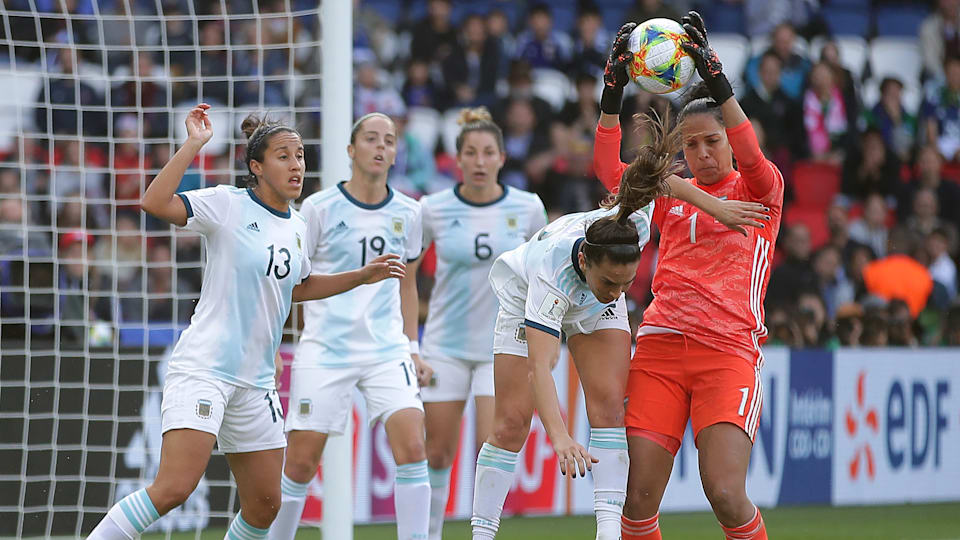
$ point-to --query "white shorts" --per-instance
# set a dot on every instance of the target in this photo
(456, 379)
(510, 333)
(321, 398)
(243, 419)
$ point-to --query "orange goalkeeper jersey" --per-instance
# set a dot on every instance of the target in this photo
(710, 281)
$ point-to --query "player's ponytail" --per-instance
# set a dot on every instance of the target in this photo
(259, 131)
(478, 119)
(615, 237)
(699, 101)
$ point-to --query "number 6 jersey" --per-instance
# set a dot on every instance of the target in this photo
(255, 256)
(363, 325)
(469, 237)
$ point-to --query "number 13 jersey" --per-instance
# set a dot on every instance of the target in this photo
(363, 325)
(469, 237)
(255, 257)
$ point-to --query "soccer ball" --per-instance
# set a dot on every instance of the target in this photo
(659, 64)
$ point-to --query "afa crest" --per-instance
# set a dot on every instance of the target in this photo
(299, 242)
(511, 222)
(397, 226)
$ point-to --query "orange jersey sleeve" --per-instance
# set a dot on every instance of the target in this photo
(606, 157)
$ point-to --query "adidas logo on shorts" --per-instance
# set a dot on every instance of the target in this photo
(608, 313)
(253, 227)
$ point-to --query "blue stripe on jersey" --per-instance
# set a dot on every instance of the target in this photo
(542, 328)
(456, 191)
(363, 205)
(274, 211)
(186, 203)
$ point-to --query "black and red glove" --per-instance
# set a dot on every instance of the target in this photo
(706, 59)
(615, 75)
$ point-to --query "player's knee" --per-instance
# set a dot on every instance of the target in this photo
(606, 412)
(261, 512)
(727, 501)
(169, 495)
(511, 431)
(409, 450)
(641, 502)
(439, 458)
(300, 470)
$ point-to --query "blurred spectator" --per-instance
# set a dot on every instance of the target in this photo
(128, 162)
(870, 168)
(540, 45)
(849, 325)
(18, 234)
(520, 83)
(214, 64)
(834, 286)
(875, 326)
(830, 55)
(825, 117)
(470, 72)
(928, 176)
(795, 273)
(565, 186)
(941, 112)
(899, 276)
(860, 257)
(581, 114)
(180, 38)
(782, 327)
(871, 228)
(778, 114)
(75, 177)
(896, 124)
(522, 142)
(644, 10)
(67, 107)
(811, 320)
(127, 29)
(372, 32)
(900, 330)
(940, 37)
(951, 331)
(942, 268)
(122, 264)
(762, 16)
(142, 90)
(371, 95)
(926, 218)
(839, 228)
(591, 42)
(498, 30)
(434, 37)
(414, 170)
(419, 90)
(794, 68)
(76, 311)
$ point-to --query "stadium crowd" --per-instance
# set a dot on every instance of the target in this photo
(870, 247)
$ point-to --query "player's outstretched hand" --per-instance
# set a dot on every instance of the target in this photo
(199, 127)
(573, 457)
(739, 214)
(705, 58)
(383, 267)
(615, 72)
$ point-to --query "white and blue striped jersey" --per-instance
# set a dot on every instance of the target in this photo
(548, 270)
(468, 238)
(363, 325)
(255, 257)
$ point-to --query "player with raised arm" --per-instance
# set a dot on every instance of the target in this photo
(471, 225)
(366, 339)
(570, 278)
(220, 385)
(698, 353)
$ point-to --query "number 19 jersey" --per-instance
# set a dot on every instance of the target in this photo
(363, 325)
(469, 237)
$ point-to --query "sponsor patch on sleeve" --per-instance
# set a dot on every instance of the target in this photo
(553, 307)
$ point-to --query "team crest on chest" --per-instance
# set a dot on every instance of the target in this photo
(299, 243)
(511, 222)
(397, 226)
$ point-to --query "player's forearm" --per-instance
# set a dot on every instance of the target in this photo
(545, 396)
(318, 286)
(606, 152)
(732, 113)
(687, 192)
(164, 187)
(609, 121)
(410, 305)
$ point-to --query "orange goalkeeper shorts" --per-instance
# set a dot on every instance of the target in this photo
(674, 378)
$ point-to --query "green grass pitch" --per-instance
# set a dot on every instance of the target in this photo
(908, 522)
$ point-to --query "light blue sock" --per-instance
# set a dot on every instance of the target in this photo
(129, 518)
(411, 499)
(439, 492)
(241, 530)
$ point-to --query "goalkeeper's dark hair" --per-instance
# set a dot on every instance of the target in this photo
(698, 101)
(615, 237)
(259, 131)
(478, 120)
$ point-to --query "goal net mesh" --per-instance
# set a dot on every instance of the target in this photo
(93, 292)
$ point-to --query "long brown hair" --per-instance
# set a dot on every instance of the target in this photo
(615, 237)
(478, 119)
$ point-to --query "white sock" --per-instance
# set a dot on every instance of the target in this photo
(293, 496)
(241, 530)
(494, 477)
(127, 519)
(609, 445)
(439, 491)
(411, 499)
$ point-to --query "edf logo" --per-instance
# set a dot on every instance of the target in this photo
(915, 422)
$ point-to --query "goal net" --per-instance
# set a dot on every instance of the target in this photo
(92, 290)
